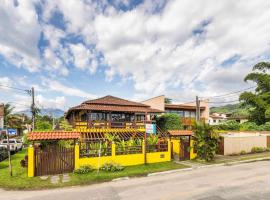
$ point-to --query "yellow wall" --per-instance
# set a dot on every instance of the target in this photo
(124, 160)
(176, 146)
(30, 161)
(192, 154)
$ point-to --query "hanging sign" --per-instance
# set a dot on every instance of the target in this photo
(151, 128)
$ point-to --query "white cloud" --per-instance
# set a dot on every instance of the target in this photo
(179, 48)
(69, 91)
(57, 102)
(20, 33)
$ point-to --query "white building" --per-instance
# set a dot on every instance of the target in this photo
(217, 118)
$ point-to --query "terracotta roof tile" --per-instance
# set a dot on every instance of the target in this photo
(111, 100)
(110, 103)
(53, 135)
(180, 132)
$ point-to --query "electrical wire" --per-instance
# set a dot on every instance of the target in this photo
(228, 94)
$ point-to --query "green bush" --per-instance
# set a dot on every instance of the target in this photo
(3, 153)
(205, 141)
(249, 126)
(84, 169)
(243, 152)
(169, 121)
(111, 167)
(258, 149)
(265, 127)
(231, 125)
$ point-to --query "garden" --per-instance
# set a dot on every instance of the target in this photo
(86, 174)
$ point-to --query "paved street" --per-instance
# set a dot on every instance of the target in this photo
(238, 182)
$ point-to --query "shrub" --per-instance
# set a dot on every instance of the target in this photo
(84, 169)
(206, 141)
(243, 152)
(24, 162)
(258, 149)
(228, 125)
(249, 126)
(112, 167)
(265, 127)
(169, 122)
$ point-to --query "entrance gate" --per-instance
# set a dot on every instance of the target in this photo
(184, 153)
(53, 159)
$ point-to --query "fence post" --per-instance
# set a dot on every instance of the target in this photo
(113, 150)
(31, 163)
(77, 156)
(144, 151)
(169, 148)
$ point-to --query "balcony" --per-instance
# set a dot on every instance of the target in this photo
(111, 124)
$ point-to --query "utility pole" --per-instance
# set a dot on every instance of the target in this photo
(9, 156)
(198, 112)
(33, 108)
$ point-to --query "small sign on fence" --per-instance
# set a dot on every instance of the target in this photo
(12, 131)
(150, 128)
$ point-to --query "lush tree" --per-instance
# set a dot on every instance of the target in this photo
(205, 141)
(43, 126)
(169, 122)
(231, 125)
(64, 125)
(259, 101)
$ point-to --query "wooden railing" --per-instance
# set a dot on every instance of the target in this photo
(111, 124)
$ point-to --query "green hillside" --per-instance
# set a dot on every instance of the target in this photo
(233, 109)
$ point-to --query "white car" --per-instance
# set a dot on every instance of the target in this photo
(15, 145)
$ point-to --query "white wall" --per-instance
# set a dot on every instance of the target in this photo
(236, 144)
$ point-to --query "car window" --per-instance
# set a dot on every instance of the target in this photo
(4, 142)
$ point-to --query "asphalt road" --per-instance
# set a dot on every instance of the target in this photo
(237, 182)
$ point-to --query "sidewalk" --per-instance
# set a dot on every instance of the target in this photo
(224, 160)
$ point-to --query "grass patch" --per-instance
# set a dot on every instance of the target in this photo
(19, 180)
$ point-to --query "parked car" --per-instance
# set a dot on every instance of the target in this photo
(15, 144)
(3, 153)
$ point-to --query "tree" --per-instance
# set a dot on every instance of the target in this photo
(64, 125)
(8, 109)
(260, 100)
(206, 141)
(169, 122)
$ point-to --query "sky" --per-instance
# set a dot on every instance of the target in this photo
(74, 50)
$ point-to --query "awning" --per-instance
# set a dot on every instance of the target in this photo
(53, 135)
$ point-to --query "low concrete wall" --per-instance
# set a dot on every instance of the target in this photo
(236, 144)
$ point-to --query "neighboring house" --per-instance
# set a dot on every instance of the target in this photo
(1, 116)
(187, 111)
(110, 112)
(217, 118)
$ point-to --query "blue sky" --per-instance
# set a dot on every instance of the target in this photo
(75, 50)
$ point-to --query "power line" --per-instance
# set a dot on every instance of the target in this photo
(15, 88)
(227, 94)
(223, 101)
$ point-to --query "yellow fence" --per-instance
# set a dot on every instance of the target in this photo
(124, 160)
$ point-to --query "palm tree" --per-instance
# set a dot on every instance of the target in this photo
(8, 109)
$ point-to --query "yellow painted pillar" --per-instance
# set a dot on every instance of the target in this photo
(144, 152)
(169, 148)
(31, 164)
(77, 156)
(113, 150)
(192, 154)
